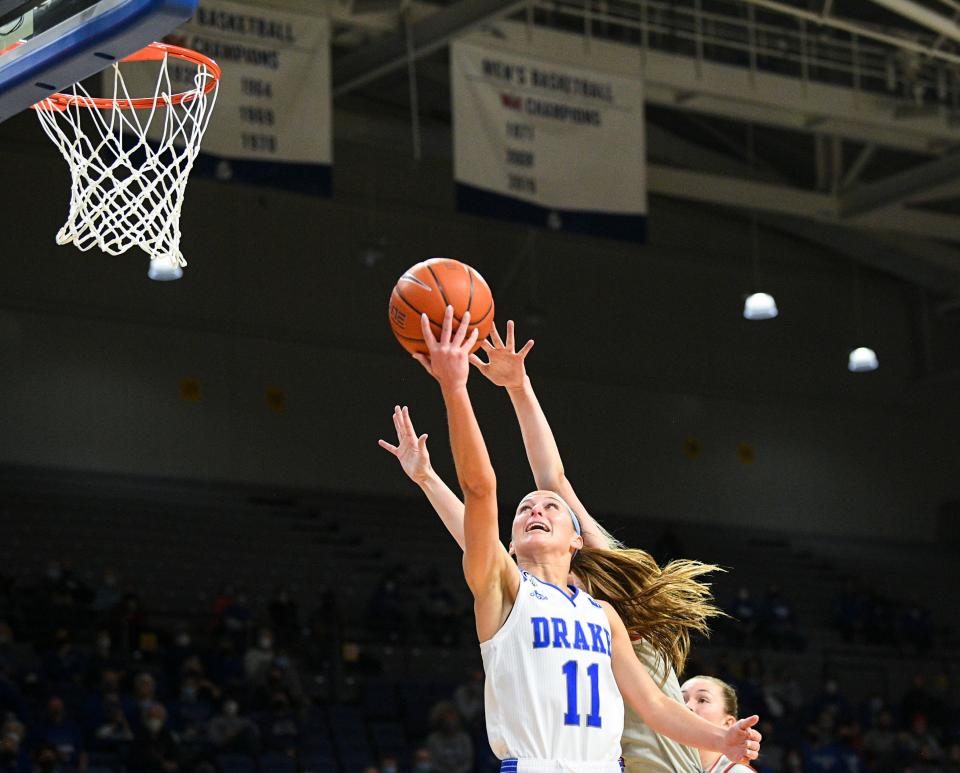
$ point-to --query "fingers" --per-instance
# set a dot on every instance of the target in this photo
(497, 340)
(487, 346)
(747, 722)
(461, 333)
(526, 349)
(407, 423)
(480, 364)
(386, 446)
(510, 339)
(471, 339)
(422, 442)
(446, 329)
(427, 332)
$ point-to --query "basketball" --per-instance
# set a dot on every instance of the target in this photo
(428, 288)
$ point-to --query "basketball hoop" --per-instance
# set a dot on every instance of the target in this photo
(130, 158)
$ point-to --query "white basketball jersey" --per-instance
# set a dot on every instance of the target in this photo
(645, 751)
(550, 692)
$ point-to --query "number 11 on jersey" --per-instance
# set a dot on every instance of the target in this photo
(572, 717)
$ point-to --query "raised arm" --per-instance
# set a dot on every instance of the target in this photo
(411, 452)
(506, 368)
(668, 717)
(492, 576)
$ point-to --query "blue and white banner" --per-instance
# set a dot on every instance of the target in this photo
(272, 121)
(548, 129)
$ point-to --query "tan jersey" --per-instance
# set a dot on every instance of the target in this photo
(723, 765)
(645, 751)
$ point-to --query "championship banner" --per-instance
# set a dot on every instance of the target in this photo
(272, 121)
(548, 129)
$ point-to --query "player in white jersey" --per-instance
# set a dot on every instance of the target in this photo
(525, 627)
(643, 748)
(715, 701)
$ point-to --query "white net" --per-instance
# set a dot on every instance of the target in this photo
(129, 167)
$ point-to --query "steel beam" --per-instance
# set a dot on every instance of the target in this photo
(901, 187)
(427, 35)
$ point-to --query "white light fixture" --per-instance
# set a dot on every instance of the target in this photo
(862, 359)
(164, 269)
(759, 306)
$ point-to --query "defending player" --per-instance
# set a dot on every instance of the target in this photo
(555, 659)
(716, 702)
(673, 602)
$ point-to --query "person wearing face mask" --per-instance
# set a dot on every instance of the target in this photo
(155, 749)
(230, 732)
(13, 754)
(389, 764)
(258, 659)
(450, 748)
(63, 734)
(422, 761)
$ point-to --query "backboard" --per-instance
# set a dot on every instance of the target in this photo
(48, 45)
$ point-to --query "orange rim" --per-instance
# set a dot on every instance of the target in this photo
(154, 52)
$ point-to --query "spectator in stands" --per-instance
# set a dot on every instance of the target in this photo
(64, 664)
(451, 749)
(777, 623)
(106, 596)
(180, 649)
(113, 733)
(129, 621)
(389, 764)
(916, 629)
(921, 752)
(155, 749)
(880, 744)
(744, 614)
(469, 699)
(13, 752)
(849, 611)
(279, 726)
(237, 616)
(229, 732)
(259, 658)
(103, 658)
(422, 761)
(46, 760)
(284, 616)
(440, 614)
(919, 700)
(144, 698)
(821, 751)
(386, 612)
(63, 734)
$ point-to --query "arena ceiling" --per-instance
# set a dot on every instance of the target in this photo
(866, 164)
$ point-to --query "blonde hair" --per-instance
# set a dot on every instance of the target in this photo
(729, 694)
(662, 606)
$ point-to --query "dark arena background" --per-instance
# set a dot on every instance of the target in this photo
(197, 526)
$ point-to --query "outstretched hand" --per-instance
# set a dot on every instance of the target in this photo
(742, 742)
(410, 450)
(504, 366)
(446, 358)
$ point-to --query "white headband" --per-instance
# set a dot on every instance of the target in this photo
(573, 515)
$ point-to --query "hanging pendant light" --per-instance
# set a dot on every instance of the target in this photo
(861, 359)
(758, 305)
